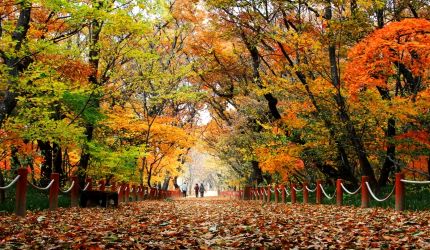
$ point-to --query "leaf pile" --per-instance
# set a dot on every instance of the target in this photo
(216, 224)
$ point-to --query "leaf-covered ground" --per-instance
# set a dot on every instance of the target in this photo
(216, 224)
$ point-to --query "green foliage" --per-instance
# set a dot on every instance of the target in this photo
(85, 105)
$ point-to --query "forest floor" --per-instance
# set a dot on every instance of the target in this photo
(216, 223)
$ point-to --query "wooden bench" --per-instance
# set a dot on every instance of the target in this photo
(98, 198)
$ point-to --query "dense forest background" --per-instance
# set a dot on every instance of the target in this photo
(296, 90)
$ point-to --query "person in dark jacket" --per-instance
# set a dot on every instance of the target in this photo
(196, 188)
(202, 190)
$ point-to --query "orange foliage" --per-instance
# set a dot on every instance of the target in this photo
(23, 149)
(377, 58)
(71, 69)
(282, 160)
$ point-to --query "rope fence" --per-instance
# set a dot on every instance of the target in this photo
(325, 193)
(10, 184)
(265, 193)
(69, 189)
(374, 196)
(125, 192)
(42, 188)
(349, 192)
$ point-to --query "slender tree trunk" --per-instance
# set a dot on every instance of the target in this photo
(58, 161)
(257, 175)
(166, 181)
(148, 179)
(46, 168)
(271, 100)
(388, 166)
(94, 58)
(428, 167)
(356, 141)
(346, 170)
(13, 62)
(2, 191)
(175, 182)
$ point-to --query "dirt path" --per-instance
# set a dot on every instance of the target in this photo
(216, 224)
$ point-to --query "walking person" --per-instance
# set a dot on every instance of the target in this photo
(202, 189)
(184, 189)
(196, 188)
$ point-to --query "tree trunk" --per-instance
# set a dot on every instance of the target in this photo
(356, 141)
(166, 181)
(13, 62)
(175, 182)
(46, 168)
(94, 58)
(388, 166)
(58, 161)
(271, 100)
(257, 175)
(2, 191)
(148, 179)
(347, 170)
(428, 167)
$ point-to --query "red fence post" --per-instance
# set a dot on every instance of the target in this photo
(319, 194)
(141, 193)
(293, 193)
(276, 194)
(247, 195)
(364, 192)
(53, 191)
(151, 193)
(339, 192)
(135, 193)
(21, 192)
(145, 192)
(74, 194)
(269, 195)
(283, 194)
(89, 181)
(113, 187)
(127, 192)
(400, 192)
(102, 185)
(305, 193)
(121, 193)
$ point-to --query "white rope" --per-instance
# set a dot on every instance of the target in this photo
(279, 190)
(297, 190)
(349, 192)
(272, 190)
(132, 189)
(326, 195)
(125, 189)
(374, 196)
(85, 188)
(70, 188)
(311, 190)
(13, 182)
(415, 182)
(265, 193)
(45, 188)
(119, 190)
(286, 191)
